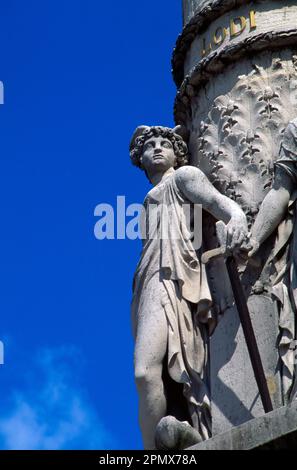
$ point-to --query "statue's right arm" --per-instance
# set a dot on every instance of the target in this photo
(198, 189)
(273, 208)
(194, 184)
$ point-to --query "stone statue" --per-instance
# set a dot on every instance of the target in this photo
(171, 305)
(278, 210)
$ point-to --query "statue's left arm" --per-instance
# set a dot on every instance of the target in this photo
(194, 184)
(275, 204)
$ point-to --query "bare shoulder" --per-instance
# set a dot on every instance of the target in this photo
(188, 174)
(193, 183)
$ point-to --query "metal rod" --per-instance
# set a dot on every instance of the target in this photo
(248, 331)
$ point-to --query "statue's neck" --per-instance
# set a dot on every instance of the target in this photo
(159, 177)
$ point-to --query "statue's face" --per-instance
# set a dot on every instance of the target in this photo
(158, 155)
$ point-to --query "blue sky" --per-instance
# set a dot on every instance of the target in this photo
(79, 76)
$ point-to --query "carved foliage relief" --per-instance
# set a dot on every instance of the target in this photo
(237, 125)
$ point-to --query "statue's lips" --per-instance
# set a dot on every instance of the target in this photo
(158, 157)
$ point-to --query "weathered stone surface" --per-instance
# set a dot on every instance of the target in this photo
(236, 98)
(235, 396)
(189, 8)
(253, 22)
(273, 431)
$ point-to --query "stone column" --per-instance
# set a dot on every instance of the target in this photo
(235, 66)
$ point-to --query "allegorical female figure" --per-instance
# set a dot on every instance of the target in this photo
(171, 305)
(278, 211)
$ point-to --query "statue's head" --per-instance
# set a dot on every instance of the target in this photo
(156, 149)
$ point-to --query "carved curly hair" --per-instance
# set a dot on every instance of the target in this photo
(179, 146)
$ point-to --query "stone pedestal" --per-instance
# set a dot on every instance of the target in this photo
(274, 431)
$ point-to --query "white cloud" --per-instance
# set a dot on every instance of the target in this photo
(53, 412)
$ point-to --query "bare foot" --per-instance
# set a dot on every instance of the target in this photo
(174, 434)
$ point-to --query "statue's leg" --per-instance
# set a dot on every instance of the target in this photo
(150, 350)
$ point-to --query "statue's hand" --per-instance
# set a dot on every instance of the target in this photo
(249, 249)
(254, 247)
(237, 233)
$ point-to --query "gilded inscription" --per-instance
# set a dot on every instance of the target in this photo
(234, 29)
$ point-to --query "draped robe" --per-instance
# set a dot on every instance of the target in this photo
(169, 277)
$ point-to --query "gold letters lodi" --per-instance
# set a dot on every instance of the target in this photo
(236, 27)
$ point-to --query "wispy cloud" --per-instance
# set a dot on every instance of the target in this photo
(52, 411)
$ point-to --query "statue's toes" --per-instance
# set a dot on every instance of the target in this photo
(172, 434)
